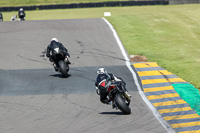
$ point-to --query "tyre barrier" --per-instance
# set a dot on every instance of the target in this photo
(86, 5)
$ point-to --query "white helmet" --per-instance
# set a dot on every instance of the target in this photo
(54, 39)
(21, 9)
(102, 71)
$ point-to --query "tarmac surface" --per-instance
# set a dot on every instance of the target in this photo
(34, 98)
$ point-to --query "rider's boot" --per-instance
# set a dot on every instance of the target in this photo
(55, 67)
(113, 105)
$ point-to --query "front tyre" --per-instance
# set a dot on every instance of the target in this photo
(119, 101)
(62, 67)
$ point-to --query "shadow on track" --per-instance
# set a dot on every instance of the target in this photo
(60, 75)
(111, 113)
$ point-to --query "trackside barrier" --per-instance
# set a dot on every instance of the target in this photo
(87, 5)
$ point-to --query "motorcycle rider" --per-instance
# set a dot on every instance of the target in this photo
(50, 52)
(21, 14)
(1, 17)
(101, 88)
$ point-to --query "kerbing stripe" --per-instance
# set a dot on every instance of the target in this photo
(165, 99)
(193, 129)
(160, 92)
(156, 85)
(158, 89)
(152, 81)
(184, 120)
(150, 73)
(174, 110)
(188, 124)
(172, 106)
(169, 103)
(178, 117)
(178, 113)
(149, 69)
(163, 96)
(142, 65)
(196, 131)
(158, 77)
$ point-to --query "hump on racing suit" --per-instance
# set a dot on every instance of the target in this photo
(54, 45)
(102, 80)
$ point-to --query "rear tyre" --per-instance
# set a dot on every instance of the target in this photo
(63, 69)
(121, 104)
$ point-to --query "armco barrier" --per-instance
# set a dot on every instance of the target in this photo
(87, 5)
(173, 2)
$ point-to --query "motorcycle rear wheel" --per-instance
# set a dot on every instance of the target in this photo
(63, 67)
(119, 101)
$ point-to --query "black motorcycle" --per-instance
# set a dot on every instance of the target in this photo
(63, 66)
(120, 99)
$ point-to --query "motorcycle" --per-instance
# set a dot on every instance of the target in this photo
(119, 98)
(63, 66)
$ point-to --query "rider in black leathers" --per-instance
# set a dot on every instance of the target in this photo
(101, 86)
(1, 17)
(50, 52)
(21, 14)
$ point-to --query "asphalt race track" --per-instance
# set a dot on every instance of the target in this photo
(36, 99)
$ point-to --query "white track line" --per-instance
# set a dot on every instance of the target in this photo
(155, 112)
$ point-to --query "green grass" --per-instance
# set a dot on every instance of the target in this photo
(168, 35)
(6, 3)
